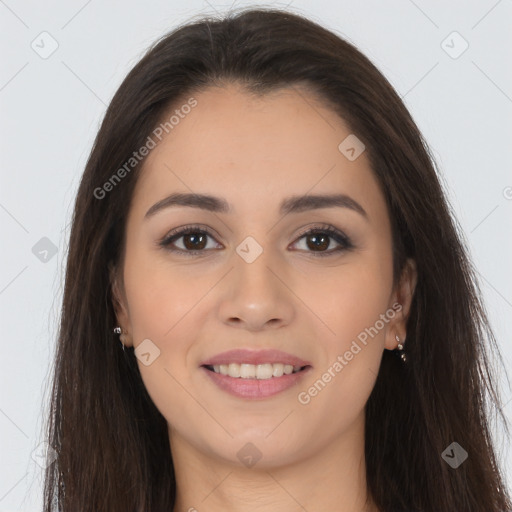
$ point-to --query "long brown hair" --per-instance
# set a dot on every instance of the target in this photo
(111, 441)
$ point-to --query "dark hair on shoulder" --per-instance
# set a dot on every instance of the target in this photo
(112, 443)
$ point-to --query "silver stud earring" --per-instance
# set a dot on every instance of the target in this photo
(122, 335)
(401, 348)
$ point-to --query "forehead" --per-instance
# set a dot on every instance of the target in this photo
(254, 151)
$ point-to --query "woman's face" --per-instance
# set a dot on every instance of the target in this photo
(255, 281)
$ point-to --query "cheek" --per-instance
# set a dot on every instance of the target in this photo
(352, 303)
(161, 295)
(161, 302)
(168, 305)
(348, 298)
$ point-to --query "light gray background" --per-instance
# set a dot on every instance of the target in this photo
(51, 109)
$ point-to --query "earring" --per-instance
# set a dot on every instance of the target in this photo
(122, 335)
(401, 348)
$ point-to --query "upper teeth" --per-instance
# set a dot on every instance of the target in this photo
(258, 371)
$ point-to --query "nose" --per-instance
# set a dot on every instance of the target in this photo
(255, 296)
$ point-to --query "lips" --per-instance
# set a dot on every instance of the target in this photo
(255, 389)
(255, 357)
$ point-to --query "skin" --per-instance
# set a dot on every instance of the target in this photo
(254, 152)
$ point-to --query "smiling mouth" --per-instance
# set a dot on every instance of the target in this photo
(250, 371)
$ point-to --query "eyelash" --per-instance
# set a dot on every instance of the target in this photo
(326, 229)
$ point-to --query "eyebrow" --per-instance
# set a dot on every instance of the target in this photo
(293, 204)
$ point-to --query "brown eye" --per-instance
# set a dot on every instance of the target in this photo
(194, 240)
(318, 240)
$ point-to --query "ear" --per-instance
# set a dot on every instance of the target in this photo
(401, 300)
(119, 300)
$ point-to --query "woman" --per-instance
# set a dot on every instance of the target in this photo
(261, 225)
